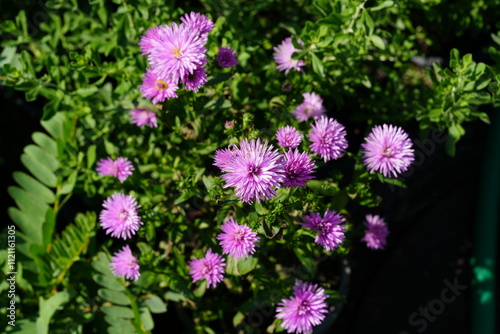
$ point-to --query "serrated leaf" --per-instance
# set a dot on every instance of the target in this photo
(155, 304)
(118, 311)
(114, 297)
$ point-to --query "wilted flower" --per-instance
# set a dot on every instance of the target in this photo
(237, 240)
(119, 217)
(283, 56)
(209, 267)
(124, 264)
(387, 150)
(328, 138)
(376, 232)
(304, 310)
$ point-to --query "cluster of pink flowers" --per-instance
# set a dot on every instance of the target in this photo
(236, 240)
(176, 55)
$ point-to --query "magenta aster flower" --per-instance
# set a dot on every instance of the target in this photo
(283, 56)
(143, 117)
(288, 136)
(304, 310)
(223, 157)
(174, 51)
(298, 168)
(199, 22)
(106, 167)
(157, 89)
(387, 150)
(254, 170)
(196, 79)
(376, 232)
(312, 107)
(119, 217)
(226, 57)
(146, 43)
(209, 267)
(121, 168)
(229, 124)
(237, 240)
(328, 138)
(329, 229)
(124, 264)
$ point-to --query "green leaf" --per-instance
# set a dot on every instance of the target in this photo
(48, 226)
(377, 41)
(43, 157)
(221, 77)
(54, 126)
(86, 91)
(318, 66)
(48, 308)
(29, 226)
(383, 5)
(120, 324)
(114, 297)
(454, 58)
(109, 282)
(69, 184)
(45, 142)
(91, 156)
(239, 267)
(32, 185)
(146, 318)
(155, 304)
(42, 173)
(118, 311)
(29, 204)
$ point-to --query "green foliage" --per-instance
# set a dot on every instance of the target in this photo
(83, 62)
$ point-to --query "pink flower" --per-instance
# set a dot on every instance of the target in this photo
(237, 240)
(119, 217)
(328, 138)
(329, 228)
(226, 57)
(157, 89)
(304, 310)
(143, 117)
(376, 232)
(387, 150)
(124, 264)
(209, 267)
(312, 107)
(121, 168)
(283, 56)
(288, 136)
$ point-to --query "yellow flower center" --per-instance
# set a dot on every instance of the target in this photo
(161, 84)
(177, 52)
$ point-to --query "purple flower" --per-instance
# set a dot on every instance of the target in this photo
(237, 240)
(312, 107)
(288, 136)
(305, 309)
(106, 167)
(199, 22)
(124, 264)
(121, 168)
(328, 138)
(143, 117)
(254, 169)
(329, 229)
(229, 124)
(157, 89)
(387, 150)
(119, 217)
(226, 57)
(283, 56)
(298, 168)
(376, 232)
(196, 79)
(210, 267)
(174, 51)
